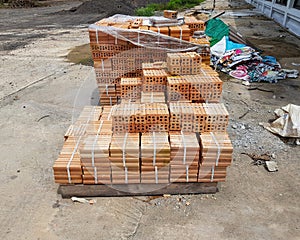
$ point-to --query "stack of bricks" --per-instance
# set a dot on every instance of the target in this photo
(153, 97)
(217, 117)
(117, 50)
(89, 114)
(184, 63)
(123, 117)
(197, 88)
(204, 88)
(157, 117)
(155, 157)
(198, 117)
(154, 65)
(205, 52)
(135, 118)
(108, 94)
(170, 14)
(124, 158)
(144, 140)
(94, 147)
(194, 24)
(216, 157)
(160, 30)
(136, 23)
(208, 71)
(182, 32)
(201, 41)
(94, 154)
(187, 117)
(67, 167)
(140, 119)
(154, 80)
(175, 116)
(178, 89)
(131, 89)
(184, 165)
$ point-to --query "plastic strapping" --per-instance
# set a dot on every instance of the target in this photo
(180, 33)
(126, 175)
(102, 65)
(158, 31)
(123, 150)
(97, 35)
(106, 89)
(187, 173)
(95, 175)
(76, 147)
(138, 37)
(212, 173)
(116, 38)
(110, 113)
(154, 148)
(218, 146)
(71, 159)
(156, 174)
(94, 143)
(184, 148)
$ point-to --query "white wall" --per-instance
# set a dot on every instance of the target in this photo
(287, 16)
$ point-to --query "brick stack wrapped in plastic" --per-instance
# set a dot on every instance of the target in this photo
(160, 118)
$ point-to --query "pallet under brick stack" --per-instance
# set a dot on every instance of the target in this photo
(160, 121)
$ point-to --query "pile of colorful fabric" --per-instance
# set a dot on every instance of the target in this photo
(241, 61)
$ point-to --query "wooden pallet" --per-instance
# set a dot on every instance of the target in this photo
(121, 190)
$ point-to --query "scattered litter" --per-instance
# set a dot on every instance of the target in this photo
(167, 195)
(187, 204)
(260, 89)
(246, 83)
(271, 166)
(297, 142)
(257, 157)
(264, 160)
(241, 61)
(56, 204)
(83, 200)
(296, 64)
(16, 98)
(288, 122)
(45, 116)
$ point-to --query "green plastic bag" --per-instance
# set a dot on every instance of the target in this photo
(216, 29)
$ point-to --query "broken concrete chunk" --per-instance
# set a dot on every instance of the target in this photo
(272, 166)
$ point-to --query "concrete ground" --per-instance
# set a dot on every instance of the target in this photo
(40, 95)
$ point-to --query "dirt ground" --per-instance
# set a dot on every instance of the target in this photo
(40, 95)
